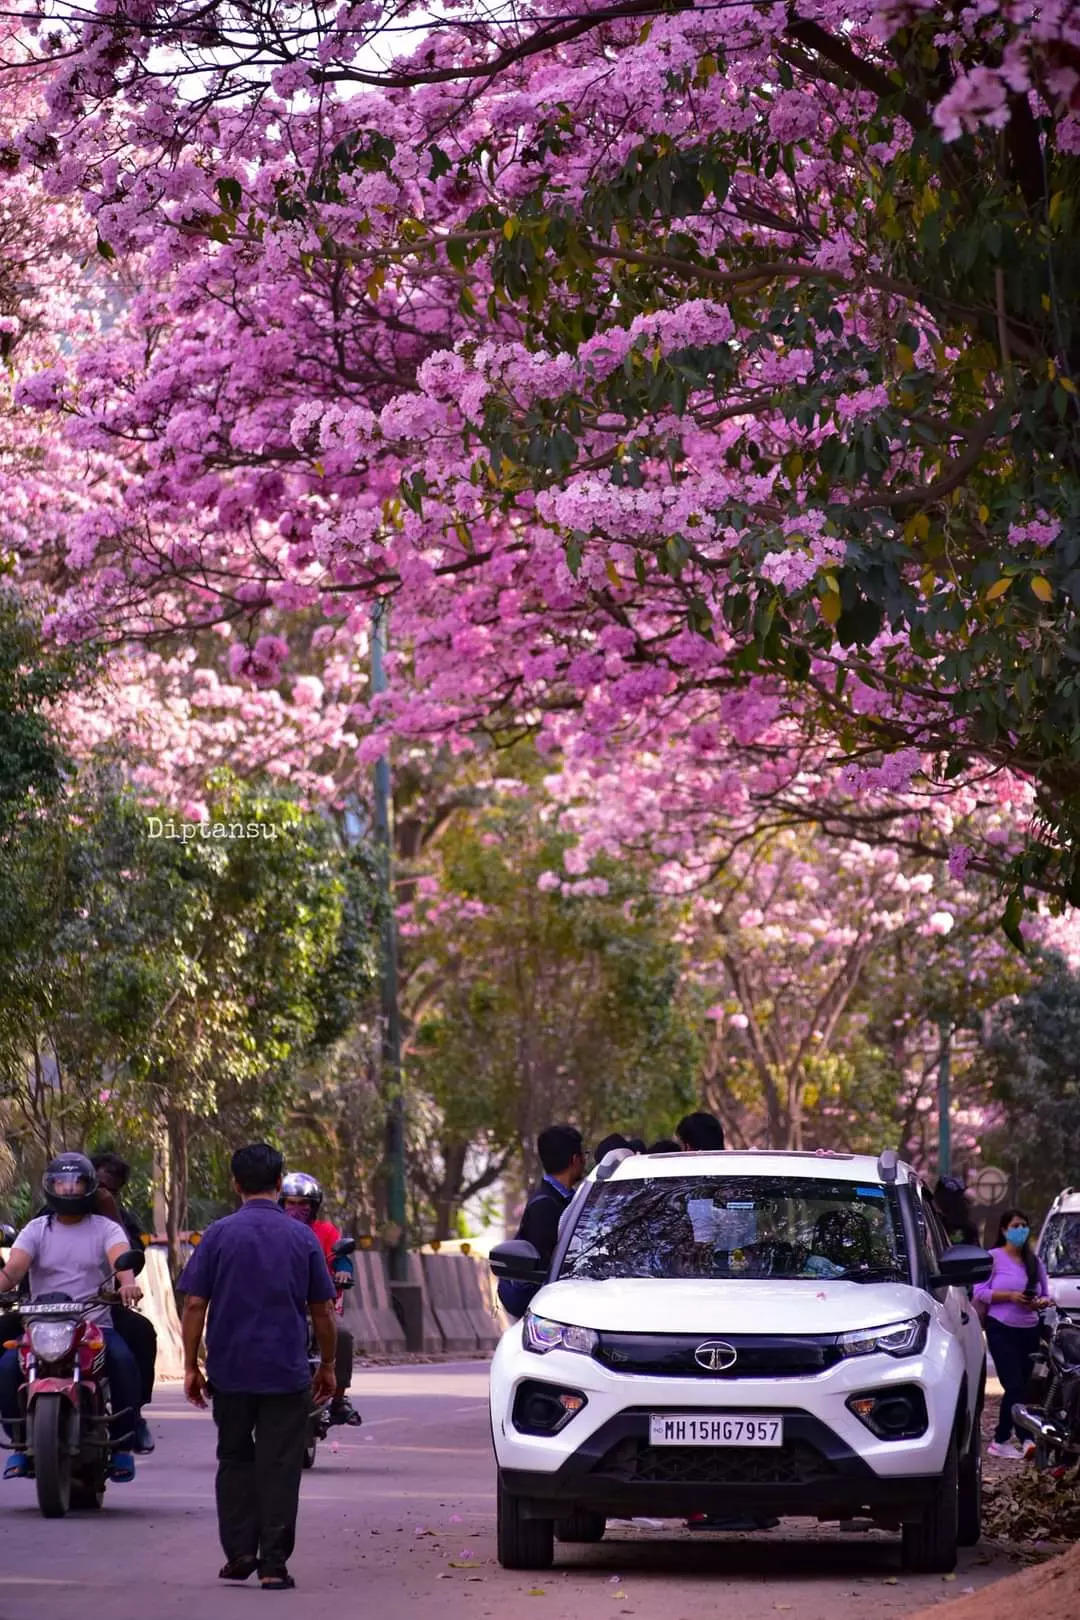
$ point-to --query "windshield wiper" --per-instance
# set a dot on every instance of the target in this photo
(870, 1274)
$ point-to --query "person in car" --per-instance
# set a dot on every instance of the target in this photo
(1016, 1290)
(562, 1157)
(700, 1133)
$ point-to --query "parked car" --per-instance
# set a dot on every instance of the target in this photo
(773, 1333)
(1059, 1250)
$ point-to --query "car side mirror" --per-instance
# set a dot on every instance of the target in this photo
(133, 1260)
(518, 1259)
(962, 1266)
(343, 1247)
(7, 1236)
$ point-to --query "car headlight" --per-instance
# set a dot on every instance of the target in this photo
(52, 1339)
(542, 1335)
(895, 1339)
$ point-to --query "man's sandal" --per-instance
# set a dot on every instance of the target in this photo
(238, 1569)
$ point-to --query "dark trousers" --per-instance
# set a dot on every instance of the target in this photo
(140, 1336)
(1012, 1349)
(343, 1359)
(260, 1451)
(123, 1379)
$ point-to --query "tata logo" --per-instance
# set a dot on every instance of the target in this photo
(716, 1356)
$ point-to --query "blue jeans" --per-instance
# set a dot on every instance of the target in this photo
(123, 1376)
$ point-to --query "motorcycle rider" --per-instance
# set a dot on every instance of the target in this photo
(136, 1330)
(72, 1250)
(301, 1197)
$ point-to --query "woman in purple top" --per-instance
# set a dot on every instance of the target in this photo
(1016, 1290)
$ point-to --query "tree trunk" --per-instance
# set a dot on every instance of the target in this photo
(448, 1194)
(176, 1184)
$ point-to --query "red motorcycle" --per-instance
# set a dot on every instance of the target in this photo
(65, 1406)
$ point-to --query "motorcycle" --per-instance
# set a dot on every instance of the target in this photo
(319, 1420)
(1051, 1415)
(65, 1401)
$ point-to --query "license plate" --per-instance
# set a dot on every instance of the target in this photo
(685, 1429)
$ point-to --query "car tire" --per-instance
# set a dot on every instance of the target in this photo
(581, 1525)
(969, 1517)
(522, 1543)
(930, 1542)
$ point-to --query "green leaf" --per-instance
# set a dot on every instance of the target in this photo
(1010, 920)
(230, 194)
(440, 163)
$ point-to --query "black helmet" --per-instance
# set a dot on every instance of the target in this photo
(298, 1184)
(70, 1184)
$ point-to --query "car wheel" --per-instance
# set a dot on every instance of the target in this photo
(930, 1542)
(581, 1525)
(969, 1518)
(522, 1543)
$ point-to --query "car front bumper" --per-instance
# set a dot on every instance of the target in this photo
(616, 1472)
(830, 1466)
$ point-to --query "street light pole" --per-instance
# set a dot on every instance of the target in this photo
(943, 1099)
(391, 1018)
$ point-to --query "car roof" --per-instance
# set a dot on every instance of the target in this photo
(857, 1167)
(1067, 1202)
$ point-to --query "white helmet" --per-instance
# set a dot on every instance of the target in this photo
(298, 1184)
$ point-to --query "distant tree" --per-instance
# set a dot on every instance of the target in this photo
(531, 1002)
(1031, 1059)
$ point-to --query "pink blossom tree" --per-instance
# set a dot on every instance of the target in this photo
(677, 374)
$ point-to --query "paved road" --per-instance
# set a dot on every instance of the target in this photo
(397, 1522)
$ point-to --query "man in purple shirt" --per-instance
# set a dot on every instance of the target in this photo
(259, 1274)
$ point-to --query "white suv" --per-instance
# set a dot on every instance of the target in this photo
(772, 1333)
(1059, 1250)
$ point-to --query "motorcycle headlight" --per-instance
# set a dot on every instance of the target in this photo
(896, 1339)
(543, 1335)
(50, 1340)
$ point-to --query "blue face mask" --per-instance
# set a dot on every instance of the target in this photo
(1018, 1235)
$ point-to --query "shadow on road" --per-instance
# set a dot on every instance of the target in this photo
(778, 1556)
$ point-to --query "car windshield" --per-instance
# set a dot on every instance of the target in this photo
(737, 1227)
(1060, 1249)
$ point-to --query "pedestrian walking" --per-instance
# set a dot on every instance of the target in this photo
(1015, 1291)
(562, 1158)
(260, 1274)
(700, 1133)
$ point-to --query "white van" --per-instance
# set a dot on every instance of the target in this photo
(1059, 1251)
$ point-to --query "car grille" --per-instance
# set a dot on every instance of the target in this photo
(671, 1355)
(636, 1462)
